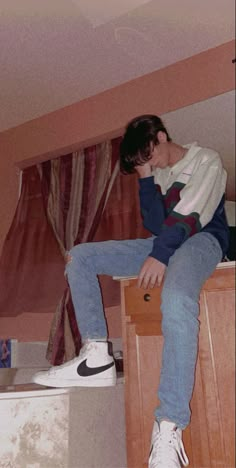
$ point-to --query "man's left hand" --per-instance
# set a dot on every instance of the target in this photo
(151, 273)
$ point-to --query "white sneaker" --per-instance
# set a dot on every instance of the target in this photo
(94, 367)
(167, 449)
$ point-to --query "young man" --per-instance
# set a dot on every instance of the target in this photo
(182, 204)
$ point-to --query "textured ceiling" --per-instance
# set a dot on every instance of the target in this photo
(55, 53)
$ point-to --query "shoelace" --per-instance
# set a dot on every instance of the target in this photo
(167, 449)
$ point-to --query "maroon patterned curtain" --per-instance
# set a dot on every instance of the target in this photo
(31, 266)
(76, 198)
(75, 189)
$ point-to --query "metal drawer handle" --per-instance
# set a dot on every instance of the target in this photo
(147, 297)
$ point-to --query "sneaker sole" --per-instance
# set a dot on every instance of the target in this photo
(75, 383)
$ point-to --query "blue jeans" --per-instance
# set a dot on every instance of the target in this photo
(188, 269)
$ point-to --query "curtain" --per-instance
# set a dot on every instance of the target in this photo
(76, 198)
(31, 265)
(87, 199)
(75, 189)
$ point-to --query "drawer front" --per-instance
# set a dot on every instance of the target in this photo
(142, 302)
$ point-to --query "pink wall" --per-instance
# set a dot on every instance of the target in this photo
(192, 80)
(35, 326)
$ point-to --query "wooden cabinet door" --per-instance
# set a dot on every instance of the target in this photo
(209, 440)
(213, 402)
(142, 347)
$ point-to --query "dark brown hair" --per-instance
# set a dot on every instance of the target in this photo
(139, 137)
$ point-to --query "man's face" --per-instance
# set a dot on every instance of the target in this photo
(160, 153)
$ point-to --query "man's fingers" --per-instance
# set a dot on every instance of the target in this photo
(160, 278)
(140, 279)
(147, 280)
(143, 279)
(151, 274)
(143, 282)
(153, 281)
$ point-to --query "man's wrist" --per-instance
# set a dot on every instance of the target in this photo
(144, 171)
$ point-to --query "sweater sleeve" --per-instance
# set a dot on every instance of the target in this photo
(198, 201)
(151, 205)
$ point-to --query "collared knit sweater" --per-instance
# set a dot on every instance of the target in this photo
(179, 201)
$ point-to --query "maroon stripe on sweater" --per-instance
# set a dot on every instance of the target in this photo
(158, 189)
(172, 197)
(189, 222)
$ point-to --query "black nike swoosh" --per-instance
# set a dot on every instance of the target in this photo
(85, 371)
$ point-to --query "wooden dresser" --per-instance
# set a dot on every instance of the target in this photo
(209, 440)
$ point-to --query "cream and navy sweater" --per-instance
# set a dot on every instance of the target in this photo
(180, 201)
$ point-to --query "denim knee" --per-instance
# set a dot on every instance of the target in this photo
(72, 257)
(178, 309)
(78, 257)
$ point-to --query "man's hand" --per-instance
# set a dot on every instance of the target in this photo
(151, 273)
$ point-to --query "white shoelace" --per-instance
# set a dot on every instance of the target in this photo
(167, 449)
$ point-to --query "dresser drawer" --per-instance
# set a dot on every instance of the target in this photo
(141, 303)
